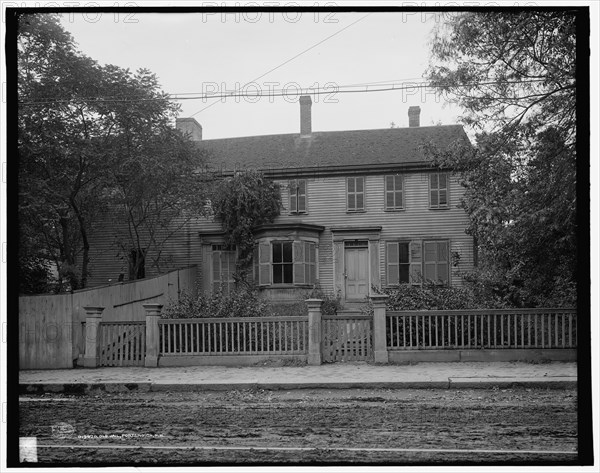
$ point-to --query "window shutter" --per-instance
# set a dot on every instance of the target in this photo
(299, 262)
(255, 264)
(430, 261)
(442, 266)
(302, 195)
(264, 262)
(293, 196)
(310, 263)
(393, 270)
(216, 270)
(415, 255)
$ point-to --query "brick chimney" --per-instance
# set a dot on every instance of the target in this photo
(189, 126)
(305, 115)
(414, 116)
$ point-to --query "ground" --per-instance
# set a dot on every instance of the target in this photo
(305, 426)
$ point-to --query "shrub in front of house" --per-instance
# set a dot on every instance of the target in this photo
(432, 297)
(241, 303)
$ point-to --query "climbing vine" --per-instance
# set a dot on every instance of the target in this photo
(242, 203)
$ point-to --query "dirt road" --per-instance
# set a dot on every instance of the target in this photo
(305, 426)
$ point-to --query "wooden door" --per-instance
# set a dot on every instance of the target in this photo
(356, 272)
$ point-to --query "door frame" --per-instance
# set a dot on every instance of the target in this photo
(342, 234)
(347, 250)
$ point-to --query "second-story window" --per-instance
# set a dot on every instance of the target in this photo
(356, 194)
(438, 190)
(298, 196)
(394, 192)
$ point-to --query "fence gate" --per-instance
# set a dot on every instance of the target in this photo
(121, 343)
(346, 338)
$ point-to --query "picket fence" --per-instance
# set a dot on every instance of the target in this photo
(482, 329)
(233, 336)
(475, 335)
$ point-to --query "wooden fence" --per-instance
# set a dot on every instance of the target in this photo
(122, 343)
(52, 328)
(233, 336)
(346, 338)
(475, 329)
(473, 335)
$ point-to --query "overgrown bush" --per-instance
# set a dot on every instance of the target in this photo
(431, 297)
(331, 304)
(240, 303)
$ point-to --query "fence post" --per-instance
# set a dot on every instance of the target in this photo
(314, 331)
(93, 317)
(152, 335)
(379, 328)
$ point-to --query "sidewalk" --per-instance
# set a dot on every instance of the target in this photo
(556, 375)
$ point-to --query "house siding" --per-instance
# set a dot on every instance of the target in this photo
(326, 206)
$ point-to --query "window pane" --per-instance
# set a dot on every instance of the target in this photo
(398, 200)
(443, 183)
(277, 253)
(359, 184)
(302, 186)
(389, 183)
(288, 270)
(434, 181)
(360, 201)
(287, 252)
(293, 207)
(398, 180)
(443, 199)
(351, 184)
(403, 256)
(404, 273)
(389, 200)
(301, 203)
(351, 202)
(434, 198)
(277, 274)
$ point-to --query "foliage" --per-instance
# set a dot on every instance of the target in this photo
(241, 303)
(241, 203)
(93, 138)
(152, 184)
(434, 297)
(330, 306)
(57, 187)
(332, 303)
(514, 75)
(34, 275)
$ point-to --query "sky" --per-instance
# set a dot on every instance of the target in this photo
(195, 53)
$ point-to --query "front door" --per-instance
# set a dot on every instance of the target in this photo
(356, 259)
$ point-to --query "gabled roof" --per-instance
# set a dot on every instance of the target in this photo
(332, 151)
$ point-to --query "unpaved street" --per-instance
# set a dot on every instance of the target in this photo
(304, 426)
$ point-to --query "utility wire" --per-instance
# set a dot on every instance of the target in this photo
(274, 93)
(290, 60)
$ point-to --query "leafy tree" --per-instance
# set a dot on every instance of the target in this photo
(58, 175)
(241, 203)
(154, 187)
(95, 141)
(514, 75)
